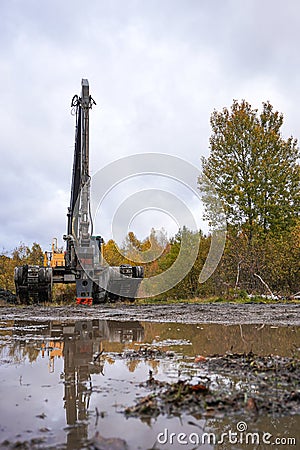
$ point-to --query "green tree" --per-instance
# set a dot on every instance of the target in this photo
(255, 171)
(181, 246)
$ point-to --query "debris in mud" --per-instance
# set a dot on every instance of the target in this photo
(231, 384)
(147, 353)
(98, 442)
(32, 444)
(8, 296)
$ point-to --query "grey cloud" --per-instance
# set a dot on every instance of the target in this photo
(156, 70)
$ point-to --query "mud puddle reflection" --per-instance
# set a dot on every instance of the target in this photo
(67, 385)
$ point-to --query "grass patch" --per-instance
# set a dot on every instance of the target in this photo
(235, 300)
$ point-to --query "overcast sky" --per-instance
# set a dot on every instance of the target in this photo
(157, 69)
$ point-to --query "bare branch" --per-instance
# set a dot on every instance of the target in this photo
(238, 274)
(265, 284)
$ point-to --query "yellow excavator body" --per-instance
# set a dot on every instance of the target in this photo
(55, 258)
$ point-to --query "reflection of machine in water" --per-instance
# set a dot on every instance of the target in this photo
(81, 348)
(80, 343)
(124, 332)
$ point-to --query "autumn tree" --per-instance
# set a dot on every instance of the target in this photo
(112, 253)
(26, 255)
(35, 255)
(273, 259)
(21, 255)
(6, 272)
(132, 247)
(255, 171)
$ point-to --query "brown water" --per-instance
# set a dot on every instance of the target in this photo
(62, 383)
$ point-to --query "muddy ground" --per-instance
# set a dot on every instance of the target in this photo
(223, 313)
(125, 378)
(260, 385)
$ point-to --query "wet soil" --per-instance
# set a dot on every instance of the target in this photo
(223, 313)
(227, 385)
(7, 296)
(117, 376)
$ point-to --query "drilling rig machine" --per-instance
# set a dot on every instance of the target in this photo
(82, 263)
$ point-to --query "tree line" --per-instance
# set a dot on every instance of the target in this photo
(255, 174)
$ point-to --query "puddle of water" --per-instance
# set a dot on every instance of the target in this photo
(63, 382)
